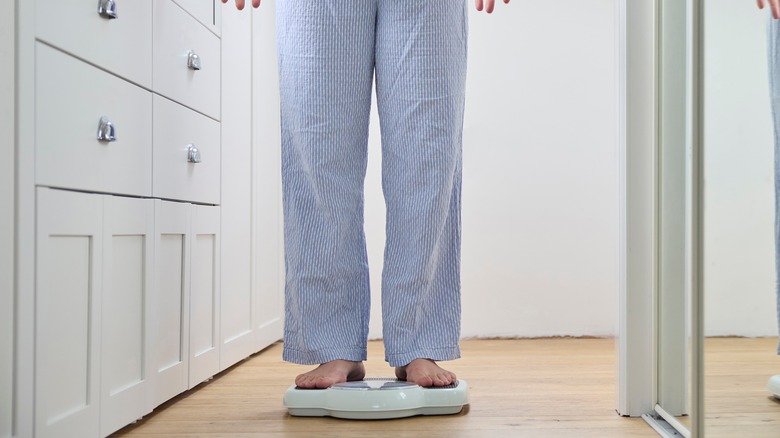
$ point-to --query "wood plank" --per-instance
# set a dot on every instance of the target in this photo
(519, 388)
(735, 397)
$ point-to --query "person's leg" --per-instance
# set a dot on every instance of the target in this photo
(326, 66)
(773, 58)
(420, 75)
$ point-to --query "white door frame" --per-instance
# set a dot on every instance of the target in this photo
(639, 189)
(7, 220)
(637, 63)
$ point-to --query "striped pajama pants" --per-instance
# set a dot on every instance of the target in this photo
(773, 49)
(330, 51)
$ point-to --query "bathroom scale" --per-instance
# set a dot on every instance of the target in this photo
(774, 386)
(376, 399)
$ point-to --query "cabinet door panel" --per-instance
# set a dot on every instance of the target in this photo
(170, 306)
(127, 282)
(171, 299)
(202, 289)
(204, 294)
(237, 200)
(68, 300)
(268, 262)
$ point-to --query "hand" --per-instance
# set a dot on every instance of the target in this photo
(256, 3)
(775, 4)
(488, 4)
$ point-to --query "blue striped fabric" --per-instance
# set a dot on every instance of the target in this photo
(773, 48)
(329, 53)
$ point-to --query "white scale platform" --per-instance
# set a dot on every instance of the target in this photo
(375, 399)
(774, 386)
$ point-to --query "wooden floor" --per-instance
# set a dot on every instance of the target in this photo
(736, 402)
(519, 388)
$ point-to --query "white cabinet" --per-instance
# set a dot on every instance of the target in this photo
(128, 307)
(115, 45)
(127, 293)
(237, 291)
(178, 39)
(268, 261)
(92, 337)
(126, 336)
(251, 201)
(69, 293)
(171, 300)
(185, 301)
(177, 129)
(71, 98)
(204, 294)
(124, 292)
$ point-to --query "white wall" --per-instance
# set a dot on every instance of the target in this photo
(7, 161)
(739, 192)
(540, 200)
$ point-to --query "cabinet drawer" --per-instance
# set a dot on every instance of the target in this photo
(208, 12)
(175, 177)
(122, 45)
(71, 97)
(177, 35)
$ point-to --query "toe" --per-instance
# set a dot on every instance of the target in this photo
(301, 381)
(324, 382)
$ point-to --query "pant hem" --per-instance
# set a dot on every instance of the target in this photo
(322, 356)
(437, 354)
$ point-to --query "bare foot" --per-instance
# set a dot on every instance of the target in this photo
(331, 373)
(426, 373)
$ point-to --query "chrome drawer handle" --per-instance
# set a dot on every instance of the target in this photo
(107, 9)
(106, 131)
(193, 60)
(193, 154)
